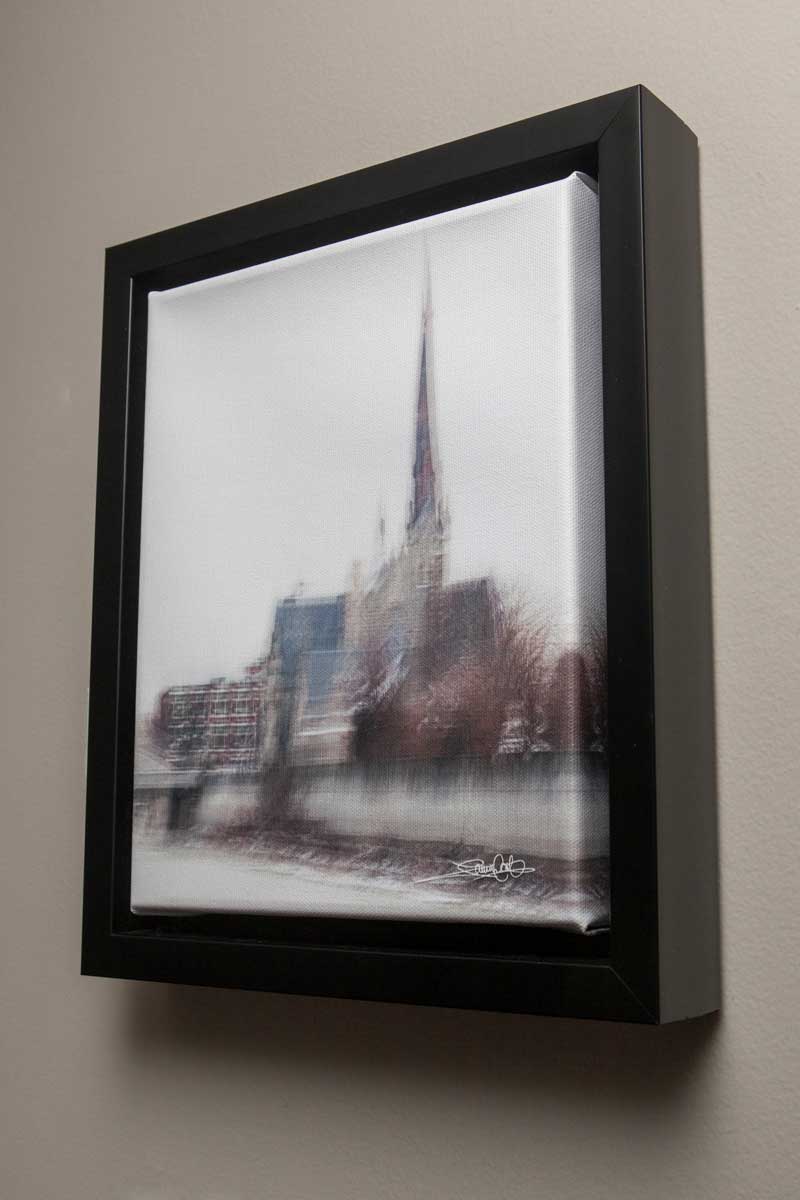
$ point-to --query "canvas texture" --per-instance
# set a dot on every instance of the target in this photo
(371, 672)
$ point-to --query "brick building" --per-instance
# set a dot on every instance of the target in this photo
(212, 726)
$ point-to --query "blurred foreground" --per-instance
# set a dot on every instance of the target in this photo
(382, 842)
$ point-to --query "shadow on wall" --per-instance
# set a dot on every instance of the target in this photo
(528, 1059)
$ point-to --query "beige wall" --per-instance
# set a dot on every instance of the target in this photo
(120, 118)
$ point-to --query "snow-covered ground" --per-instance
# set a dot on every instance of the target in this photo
(202, 879)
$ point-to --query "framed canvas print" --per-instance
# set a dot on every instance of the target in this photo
(401, 659)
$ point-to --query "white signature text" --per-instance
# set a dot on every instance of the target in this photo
(502, 868)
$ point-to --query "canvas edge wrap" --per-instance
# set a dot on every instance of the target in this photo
(660, 967)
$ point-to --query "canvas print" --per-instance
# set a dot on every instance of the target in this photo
(371, 676)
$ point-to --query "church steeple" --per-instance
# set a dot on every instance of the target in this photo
(425, 499)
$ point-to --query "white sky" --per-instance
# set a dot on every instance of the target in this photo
(280, 410)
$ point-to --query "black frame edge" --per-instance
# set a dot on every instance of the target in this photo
(688, 889)
(542, 136)
(631, 716)
(106, 616)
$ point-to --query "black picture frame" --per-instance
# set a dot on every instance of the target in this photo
(660, 961)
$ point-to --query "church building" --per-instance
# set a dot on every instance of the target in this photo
(339, 666)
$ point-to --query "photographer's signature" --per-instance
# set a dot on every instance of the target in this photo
(502, 868)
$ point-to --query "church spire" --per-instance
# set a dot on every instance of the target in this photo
(425, 499)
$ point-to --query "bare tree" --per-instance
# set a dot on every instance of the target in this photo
(490, 698)
(520, 659)
(473, 701)
(570, 703)
(597, 663)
